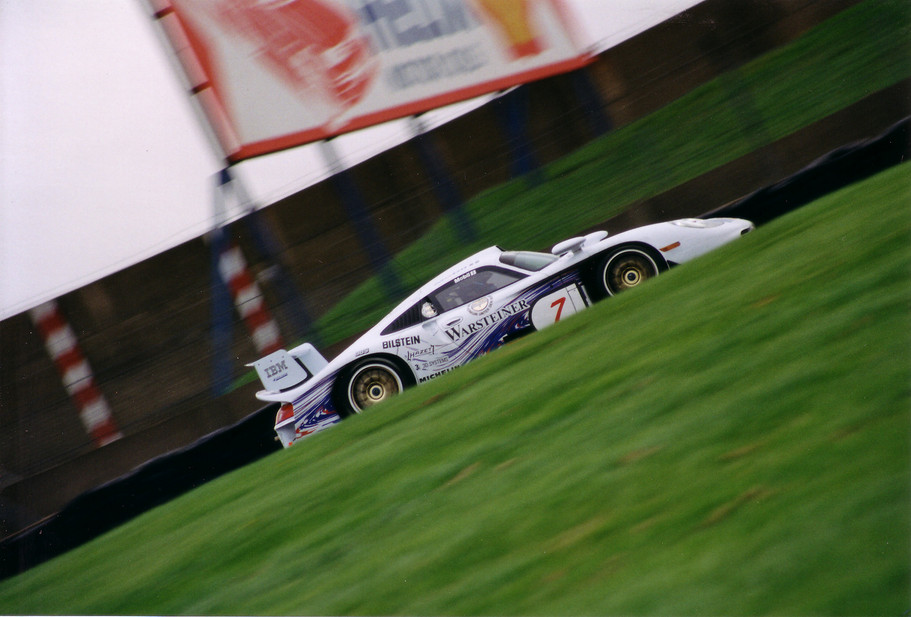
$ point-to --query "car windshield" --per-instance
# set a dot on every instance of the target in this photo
(473, 285)
(527, 260)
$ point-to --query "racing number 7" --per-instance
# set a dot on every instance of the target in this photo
(559, 301)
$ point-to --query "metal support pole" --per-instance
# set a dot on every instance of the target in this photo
(441, 180)
(599, 119)
(377, 253)
(512, 109)
(221, 303)
(269, 248)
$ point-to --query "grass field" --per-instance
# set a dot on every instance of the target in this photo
(732, 438)
(856, 53)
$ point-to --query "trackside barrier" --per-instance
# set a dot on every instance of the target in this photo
(829, 173)
(149, 485)
(166, 477)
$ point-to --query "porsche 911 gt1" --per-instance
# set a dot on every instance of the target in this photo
(475, 306)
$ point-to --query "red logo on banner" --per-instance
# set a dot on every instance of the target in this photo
(312, 46)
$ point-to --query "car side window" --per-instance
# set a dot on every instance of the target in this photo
(473, 285)
(462, 290)
(413, 316)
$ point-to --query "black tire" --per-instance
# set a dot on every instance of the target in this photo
(368, 383)
(627, 268)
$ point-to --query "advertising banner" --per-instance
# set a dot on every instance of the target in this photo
(273, 74)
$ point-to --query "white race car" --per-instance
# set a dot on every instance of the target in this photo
(473, 307)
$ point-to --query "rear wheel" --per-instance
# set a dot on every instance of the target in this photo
(626, 269)
(369, 383)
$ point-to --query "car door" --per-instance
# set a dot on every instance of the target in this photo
(460, 319)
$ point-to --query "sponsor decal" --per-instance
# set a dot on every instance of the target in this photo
(412, 354)
(361, 353)
(459, 279)
(274, 369)
(396, 25)
(458, 332)
(437, 374)
(427, 69)
(402, 342)
(479, 306)
(402, 24)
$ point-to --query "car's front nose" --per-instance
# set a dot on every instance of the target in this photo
(740, 226)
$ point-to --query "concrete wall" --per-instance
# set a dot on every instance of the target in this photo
(146, 330)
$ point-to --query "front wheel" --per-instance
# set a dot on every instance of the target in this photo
(626, 269)
(370, 383)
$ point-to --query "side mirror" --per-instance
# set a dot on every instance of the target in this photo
(574, 245)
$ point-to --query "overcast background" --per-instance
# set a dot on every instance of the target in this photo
(103, 162)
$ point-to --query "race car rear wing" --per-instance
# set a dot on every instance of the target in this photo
(282, 370)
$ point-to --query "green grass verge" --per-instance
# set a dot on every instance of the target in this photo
(732, 438)
(854, 54)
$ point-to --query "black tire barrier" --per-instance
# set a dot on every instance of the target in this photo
(835, 170)
(154, 483)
